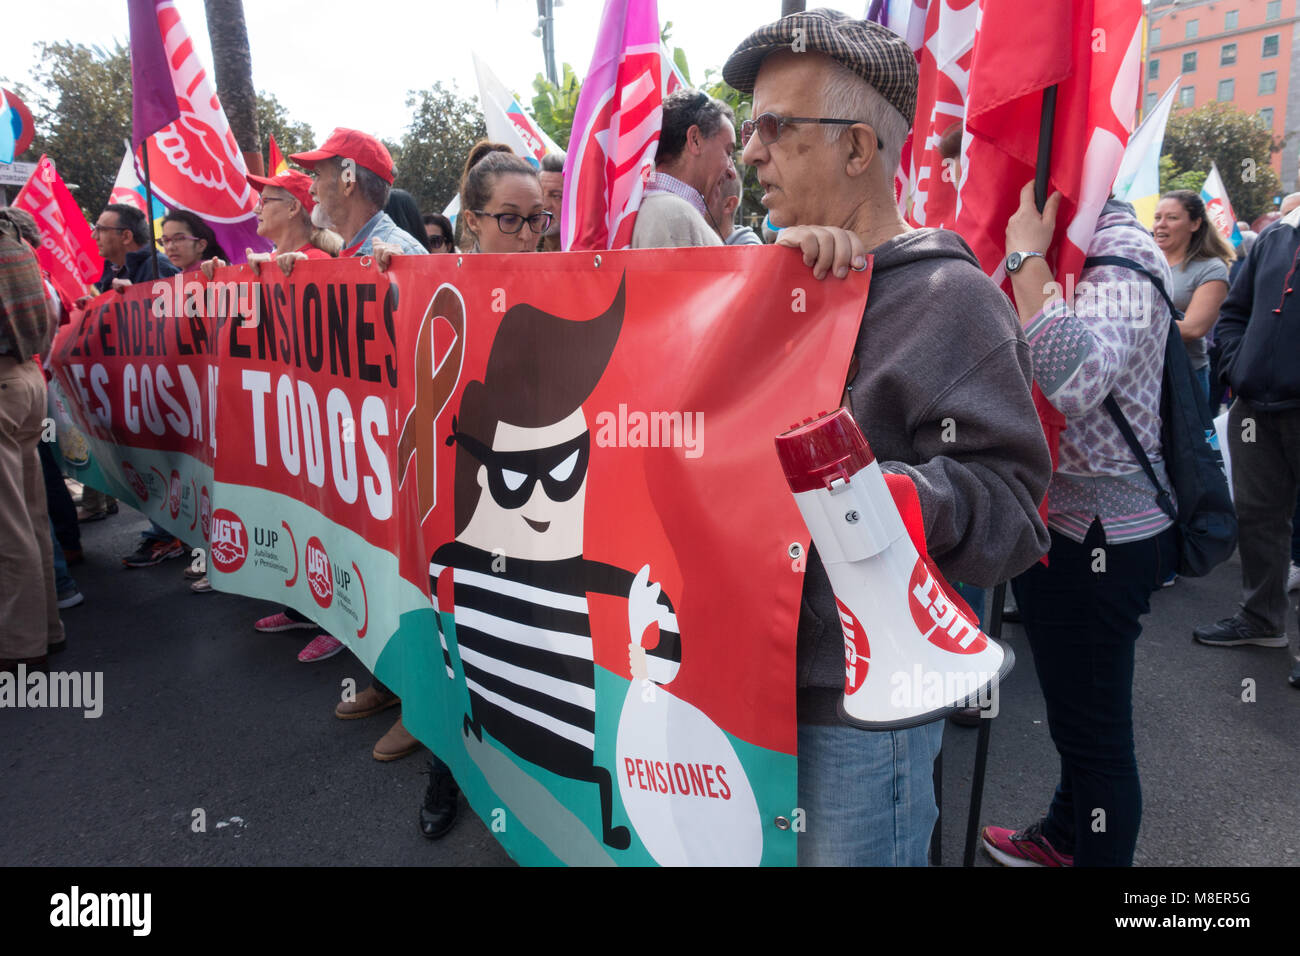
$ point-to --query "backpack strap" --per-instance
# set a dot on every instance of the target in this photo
(1121, 422)
(1127, 263)
(1112, 407)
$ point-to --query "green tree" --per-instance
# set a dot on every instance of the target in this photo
(1237, 141)
(444, 126)
(81, 105)
(554, 106)
(272, 120)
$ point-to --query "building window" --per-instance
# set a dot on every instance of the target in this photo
(1230, 20)
(1266, 116)
(1193, 29)
(1225, 90)
(1153, 70)
(1268, 83)
(1228, 54)
(1273, 10)
(1187, 97)
(1270, 44)
(1189, 62)
(1152, 99)
(1155, 37)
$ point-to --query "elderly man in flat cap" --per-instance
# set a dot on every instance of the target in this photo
(940, 383)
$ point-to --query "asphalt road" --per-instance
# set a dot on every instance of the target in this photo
(201, 712)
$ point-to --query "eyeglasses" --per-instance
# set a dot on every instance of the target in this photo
(98, 228)
(263, 200)
(165, 241)
(511, 222)
(512, 475)
(437, 242)
(769, 126)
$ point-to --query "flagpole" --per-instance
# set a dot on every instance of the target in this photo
(148, 208)
(1046, 121)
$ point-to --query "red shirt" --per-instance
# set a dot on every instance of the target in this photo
(312, 252)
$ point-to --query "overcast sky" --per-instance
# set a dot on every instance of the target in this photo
(343, 63)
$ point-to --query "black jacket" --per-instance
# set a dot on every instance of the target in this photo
(1259, 324)
(137, 268)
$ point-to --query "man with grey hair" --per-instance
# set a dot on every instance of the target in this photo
(551, 177)
(696, 141)
(352, 173)
(723, 213)
(939, 382)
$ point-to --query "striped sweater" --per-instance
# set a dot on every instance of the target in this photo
(524, 641)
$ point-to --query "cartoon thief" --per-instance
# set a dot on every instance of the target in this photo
(521, 624)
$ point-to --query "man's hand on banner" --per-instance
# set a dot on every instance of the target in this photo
(826, 248)
(643, 609)
(383, 252)
(82, 301)
(285, 261)
(121, 285)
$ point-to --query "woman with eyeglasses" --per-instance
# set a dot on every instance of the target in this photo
(187, 240)
(501, 201)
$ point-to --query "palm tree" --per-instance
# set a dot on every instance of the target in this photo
(233, 64)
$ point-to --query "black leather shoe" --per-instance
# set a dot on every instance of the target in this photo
(441, 801)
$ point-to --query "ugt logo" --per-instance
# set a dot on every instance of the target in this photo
(937, 618)
(135, 481)
(318, 572)
(174, 494)
(205, 512)
(229, 541)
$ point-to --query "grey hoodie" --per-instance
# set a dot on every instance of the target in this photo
(940, 356)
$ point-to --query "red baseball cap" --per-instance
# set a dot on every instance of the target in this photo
(361, 148)
(296, 184)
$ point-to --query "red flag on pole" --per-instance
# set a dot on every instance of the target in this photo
(68, 252)
(277, 164)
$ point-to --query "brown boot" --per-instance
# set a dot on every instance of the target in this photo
(395, 744)
(368, 703)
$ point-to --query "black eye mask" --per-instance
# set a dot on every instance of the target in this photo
(512, 475)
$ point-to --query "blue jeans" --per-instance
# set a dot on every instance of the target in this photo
(867, 796)
(63, 580)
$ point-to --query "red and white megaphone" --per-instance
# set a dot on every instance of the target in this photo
(913, 650)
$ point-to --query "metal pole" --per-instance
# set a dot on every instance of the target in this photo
(148, 208)
(1045, 124)
(793, 6)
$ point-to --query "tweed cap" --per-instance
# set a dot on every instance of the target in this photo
(875, 53)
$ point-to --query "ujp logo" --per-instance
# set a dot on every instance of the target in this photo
(135, 481)
(174, 494)
(229, 541)
(205, 512)
(937, 618)
(318, 572)
(857, 652)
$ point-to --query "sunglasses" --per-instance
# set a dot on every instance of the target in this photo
(512, 475)
(437, 242)
(769, 127)
(511, 222)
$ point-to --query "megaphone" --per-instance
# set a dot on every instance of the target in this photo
(913, 650)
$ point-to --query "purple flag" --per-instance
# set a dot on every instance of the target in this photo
(153, 101)
(194, 161)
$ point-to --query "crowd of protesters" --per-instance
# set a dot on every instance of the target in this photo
(939, 340)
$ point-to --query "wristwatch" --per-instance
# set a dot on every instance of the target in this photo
(1017, 259)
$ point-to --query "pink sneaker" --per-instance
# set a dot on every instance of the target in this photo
(321, 647)
(280, 622)
(1027, 847)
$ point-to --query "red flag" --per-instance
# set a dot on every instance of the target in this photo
(977, 69)
(615, 129)
(277, 164)
(68, 252)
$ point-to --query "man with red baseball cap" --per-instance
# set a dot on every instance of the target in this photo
(352, 173)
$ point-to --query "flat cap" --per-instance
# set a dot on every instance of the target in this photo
(873, 52)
